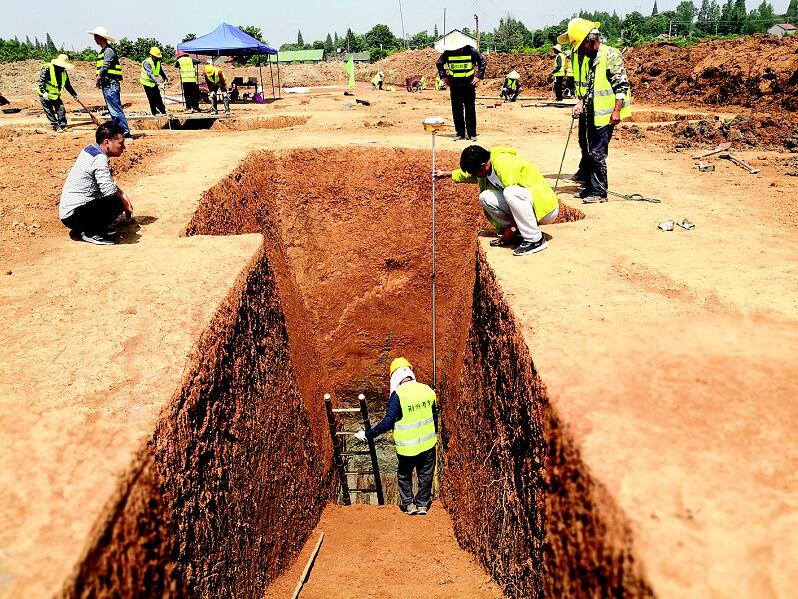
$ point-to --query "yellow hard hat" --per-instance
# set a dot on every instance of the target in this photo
(156, 52)
(208, 69)
(399, 363)
(577, 31)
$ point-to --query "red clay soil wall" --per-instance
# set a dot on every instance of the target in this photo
(238, 469)
(355, 225)
(520, 497)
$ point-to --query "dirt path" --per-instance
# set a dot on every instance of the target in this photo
(371, 551)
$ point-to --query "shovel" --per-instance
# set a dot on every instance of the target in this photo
(739, 162)
(94, 119)
(719, 148)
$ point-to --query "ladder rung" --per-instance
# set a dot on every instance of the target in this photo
(344, 433)
(363, 490)
(339, 410)
(361, 473)
(343, 453)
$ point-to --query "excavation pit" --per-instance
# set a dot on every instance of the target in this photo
(240, 464)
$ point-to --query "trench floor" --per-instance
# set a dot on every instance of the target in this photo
(377, 551)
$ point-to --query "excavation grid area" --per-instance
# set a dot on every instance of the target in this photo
(208, 477)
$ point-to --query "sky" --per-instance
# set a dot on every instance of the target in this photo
(168, 21)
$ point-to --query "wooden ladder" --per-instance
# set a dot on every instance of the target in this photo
(340, 453)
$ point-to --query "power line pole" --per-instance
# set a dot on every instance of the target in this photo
(476, 19)
(402, 19)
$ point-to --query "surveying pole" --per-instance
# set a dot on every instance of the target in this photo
(433, 125)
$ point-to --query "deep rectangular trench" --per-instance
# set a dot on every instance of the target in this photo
(236, 475)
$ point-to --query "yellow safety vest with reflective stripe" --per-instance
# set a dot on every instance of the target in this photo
(415, 431)
(52, 86)
(560, 72)
(510, 83)
(569, 66)
(115, 68)
(187, 72)
(214, 76)
(603, 96)
(144, 77)
(460, 66)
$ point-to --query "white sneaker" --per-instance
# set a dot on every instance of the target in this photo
(96, 239)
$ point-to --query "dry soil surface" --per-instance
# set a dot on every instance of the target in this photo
(671, 356)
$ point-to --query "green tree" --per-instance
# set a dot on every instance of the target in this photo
(329, 47)
(300, 43)
(508, 36)
(352, 42)
(318, 44)
(253, 31)
(188, 37)
(739, 16)
(28, 43)
(49, 46)
(654, 11)
(436, 35)
(767, 16)
(633, 28)
(421, 40)
(792, 12)
(380, 36)
(685, 13)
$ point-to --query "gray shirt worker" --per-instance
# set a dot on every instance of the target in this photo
(90, 179)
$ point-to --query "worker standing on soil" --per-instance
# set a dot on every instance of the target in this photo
(413, 415)
(151, 69)
(188, 79)
(91, 200)
(109, 78)
(602, 88)
(513, 193)
(559, 71)
(214, 78)
(53, 80)
(376, 81)
(568, 92)
(511, 87)
(465, 66)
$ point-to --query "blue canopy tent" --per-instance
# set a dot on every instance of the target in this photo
(227, 40)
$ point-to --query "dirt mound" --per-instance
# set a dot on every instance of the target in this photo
(766, 131)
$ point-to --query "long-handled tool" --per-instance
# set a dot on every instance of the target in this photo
(716, 150)
(739, 162)
(433, 125)
(94, 119)
(559, 172)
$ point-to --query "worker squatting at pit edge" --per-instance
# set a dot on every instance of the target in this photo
(513, 193)
(91, 200)
(413, 414)
(602, 88)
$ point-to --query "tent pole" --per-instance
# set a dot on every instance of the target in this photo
(279, 85)
(260, 74)
(271, 74)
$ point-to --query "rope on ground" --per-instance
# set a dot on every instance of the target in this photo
(632, 197)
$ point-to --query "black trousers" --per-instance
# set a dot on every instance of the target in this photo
(191, 95)
(558, 87)
(464, 112)
(595, 145)
(55, 112)
(424, 465)
(155, 99)
(96, 216)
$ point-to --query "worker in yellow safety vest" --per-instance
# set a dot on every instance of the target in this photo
(109, 78)
(413, 415)
(515, 196)
(568, 83)
(186, 66)
(559, 71)
(217, 86)
(602, 88)
(511, 86)
(376, 81)
(462, 67)
(439, 84)
(151, 69)
(53, 80)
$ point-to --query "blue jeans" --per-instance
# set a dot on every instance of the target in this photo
(111, 92)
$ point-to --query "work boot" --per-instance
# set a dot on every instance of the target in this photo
(579, 177)
(411, 510)
(422, 511)
(594, 198)
(459, 137)
(509, 237)
(214, 112)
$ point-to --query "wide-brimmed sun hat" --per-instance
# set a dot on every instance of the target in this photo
(63, 62)
(102, 32)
